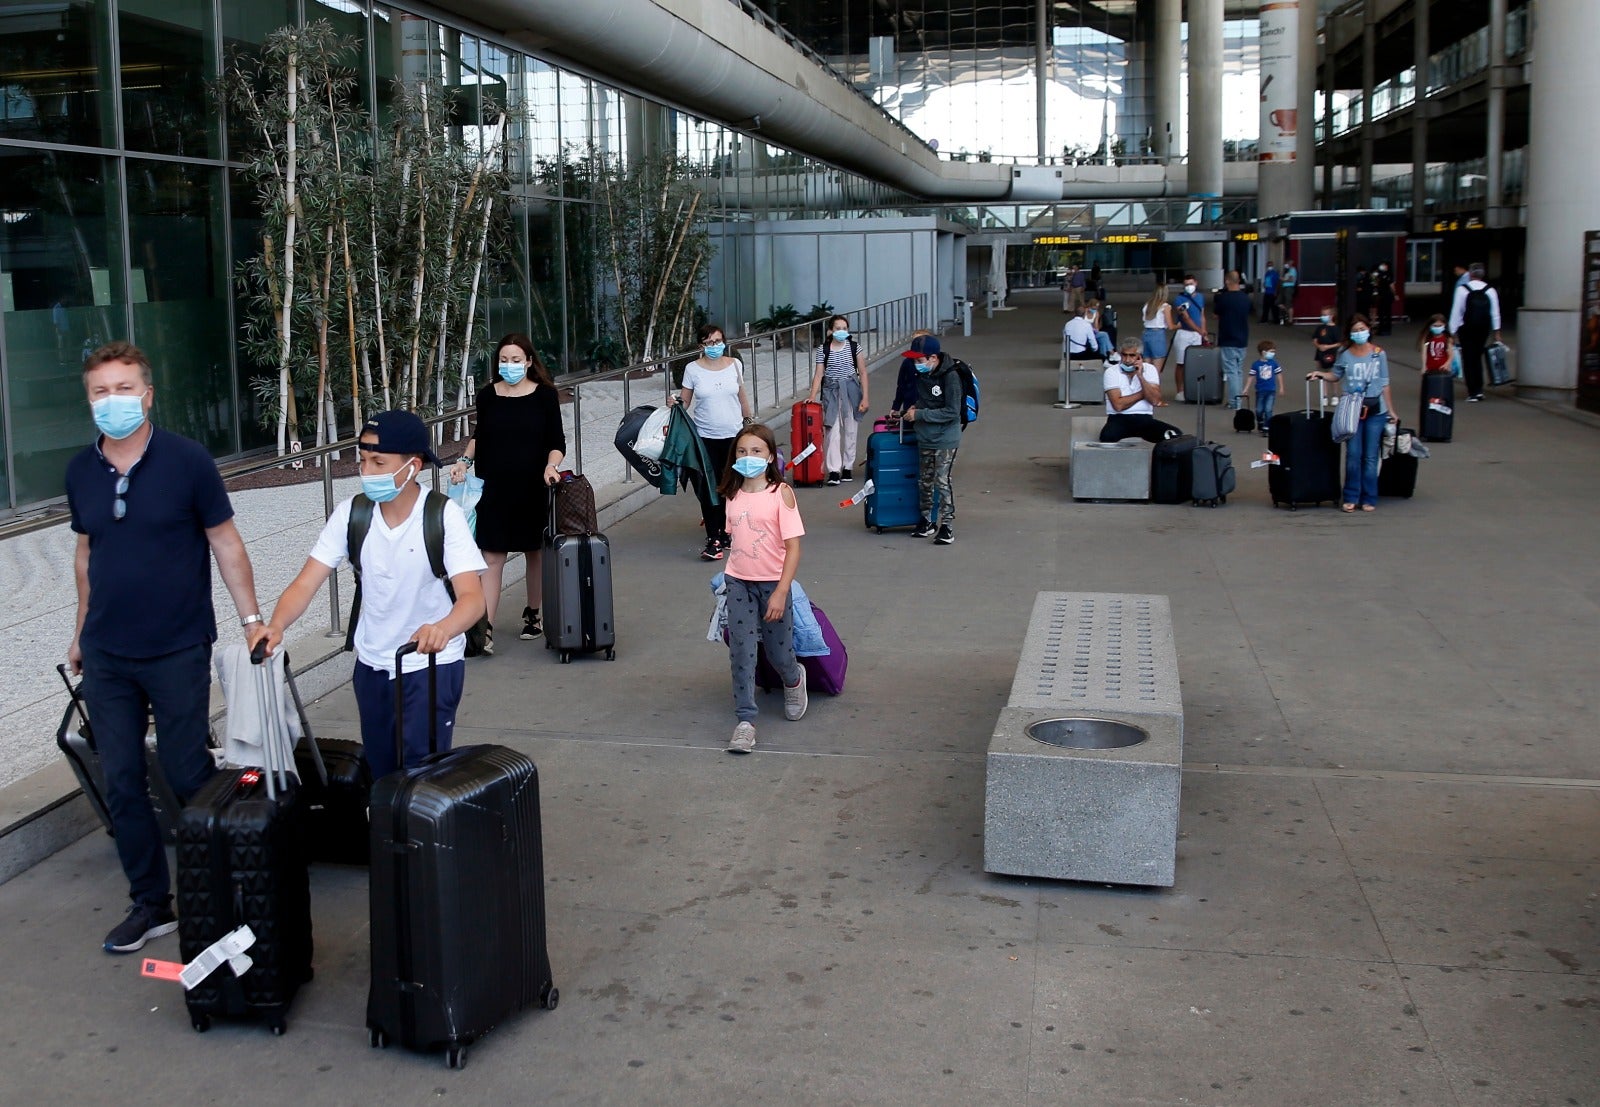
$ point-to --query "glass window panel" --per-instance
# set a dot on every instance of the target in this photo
(61, 283)
(245, 28)
(245, 230)
(168, 56)
(179, 288)
(55, 72)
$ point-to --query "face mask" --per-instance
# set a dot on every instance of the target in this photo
(1327, 318)
(1271, 355)
(1359, 337)
(925, 366)
(512, 374)
(384, 487)
(1189, 288)
(1436, 328)
(716, 349)
(750, 466)
(119, 416)
(840, 336)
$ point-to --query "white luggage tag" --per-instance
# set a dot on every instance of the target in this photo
(866, 490)
(226, 950)
(811, 448)
(1267, 459)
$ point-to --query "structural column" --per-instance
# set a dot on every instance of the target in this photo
(1494, 188)
(1041, 75)
(1369, 78)
(1205, 128)
(1166, 70)
(1420, 35)
(1286, 109)
(1562, 200)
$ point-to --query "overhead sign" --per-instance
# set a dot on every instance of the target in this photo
(1195, 236)
(1062, 240)
(1280, 81)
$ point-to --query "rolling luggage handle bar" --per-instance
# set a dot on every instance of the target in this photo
(400, 703)
(271, 749)
(1322, 393)
(77, 702)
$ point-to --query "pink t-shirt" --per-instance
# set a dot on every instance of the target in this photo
(759, 524)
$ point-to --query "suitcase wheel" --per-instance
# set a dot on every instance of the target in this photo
(376, 1038)
(551, 997)
(566, 657)
(455, 1057)
(201, 1023)
(611, 654)
(277, 1026)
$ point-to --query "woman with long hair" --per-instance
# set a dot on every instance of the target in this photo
(1158, 323)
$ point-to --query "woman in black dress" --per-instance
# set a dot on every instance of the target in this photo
(517, 449)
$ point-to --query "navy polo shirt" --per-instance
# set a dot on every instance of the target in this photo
(150, 572)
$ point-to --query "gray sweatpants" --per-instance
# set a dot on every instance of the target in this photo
(747, 608)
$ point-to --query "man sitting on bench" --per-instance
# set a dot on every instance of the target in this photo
(1133, 392)
(1079, 340)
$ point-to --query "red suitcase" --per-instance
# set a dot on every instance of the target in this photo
(805, 429)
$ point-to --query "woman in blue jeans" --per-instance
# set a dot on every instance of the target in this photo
(1364, 369)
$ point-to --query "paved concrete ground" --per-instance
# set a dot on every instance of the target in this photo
(1387, 872)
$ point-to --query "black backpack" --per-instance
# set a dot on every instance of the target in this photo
(432, 541)
(1476, 316)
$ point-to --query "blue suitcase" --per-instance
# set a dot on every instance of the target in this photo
(892, 469)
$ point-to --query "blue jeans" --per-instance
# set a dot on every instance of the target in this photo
(1103, 340)
(1232, 372)
(1264, 403)
(121, 693)
(375, 704)
(1361, 456)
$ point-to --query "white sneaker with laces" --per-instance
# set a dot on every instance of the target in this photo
(744, 738)
(795, 699)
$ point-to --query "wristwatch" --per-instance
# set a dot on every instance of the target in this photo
(248, 619)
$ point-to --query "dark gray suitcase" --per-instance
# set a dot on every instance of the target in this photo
(578, 615)
(457, 897)
(75, 740)
(1202, 375)
(1212, 467)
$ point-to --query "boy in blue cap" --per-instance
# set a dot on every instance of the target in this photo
(937, 418)
(400, 597)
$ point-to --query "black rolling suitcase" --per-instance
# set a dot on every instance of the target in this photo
(1172, 470)
(1202, 375)
(578, 615)
(242, 862)
(1437, 419)
(335, 808)
(75, 740)
(1397, 475)
(1308, 469)
(458, 930)
(1212, 467)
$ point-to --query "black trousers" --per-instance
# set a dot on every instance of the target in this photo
(1122, 425)
(1472, 359)
(1385, 314)
(715, 515)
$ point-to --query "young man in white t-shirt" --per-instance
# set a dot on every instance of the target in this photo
(1133, 392)
(1079, 340)
(402, 601)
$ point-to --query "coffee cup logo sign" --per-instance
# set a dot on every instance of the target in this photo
(1280, 116)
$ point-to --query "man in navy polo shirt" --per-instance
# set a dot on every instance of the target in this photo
(149, 510)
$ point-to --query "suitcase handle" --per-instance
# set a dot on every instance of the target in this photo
(257, 656)
(400, 703)
(78, 705)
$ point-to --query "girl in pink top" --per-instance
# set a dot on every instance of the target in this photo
(763, 554)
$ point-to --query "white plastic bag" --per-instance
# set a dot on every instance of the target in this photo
(653, 435)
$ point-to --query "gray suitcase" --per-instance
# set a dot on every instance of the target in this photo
(1213, 475)
(1202, 375)
(578, 616)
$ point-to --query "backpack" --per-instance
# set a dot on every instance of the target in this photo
(432, 541)
(1476, 316)
(969, 391)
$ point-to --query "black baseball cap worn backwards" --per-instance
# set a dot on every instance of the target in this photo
(399, 432)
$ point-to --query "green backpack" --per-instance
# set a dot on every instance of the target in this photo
(432, 540)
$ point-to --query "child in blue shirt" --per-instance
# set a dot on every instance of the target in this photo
(1264, 373)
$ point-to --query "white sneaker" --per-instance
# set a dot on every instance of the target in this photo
(744, 738)
(1179, 397)
(794, 699)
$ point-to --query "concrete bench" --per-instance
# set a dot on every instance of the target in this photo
(1107, 471)
(1063, 799)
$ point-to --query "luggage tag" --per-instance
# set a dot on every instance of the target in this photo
(1441, 407)
(1268, 458)
(811, 448)
(866, 490)
(228, 949)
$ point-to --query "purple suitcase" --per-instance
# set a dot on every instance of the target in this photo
(823, 674)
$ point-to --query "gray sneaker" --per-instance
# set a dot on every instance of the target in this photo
(744, 738)
(794, 699)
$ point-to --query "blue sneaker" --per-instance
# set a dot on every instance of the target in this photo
(143, 923)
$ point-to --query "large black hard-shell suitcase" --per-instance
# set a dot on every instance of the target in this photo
(578, 613)
(1308, 470)
(458, 926)
(1172, 470)
(335, 811)
(1437, 418)
(242, 862)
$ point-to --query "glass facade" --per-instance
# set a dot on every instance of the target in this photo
(122, 214)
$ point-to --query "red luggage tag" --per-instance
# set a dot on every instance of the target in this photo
(866, 490)
(170, 971)
(811, 448)
(1267, 459)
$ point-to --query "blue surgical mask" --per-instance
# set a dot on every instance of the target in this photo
(1436, 328)
(716, 349)
(512, 373)
(750, 466)
(840, 336)
(384, 487)
(925, 366)
(1271, 355)
(1359, 337)
(1327, 318)
(119, 416)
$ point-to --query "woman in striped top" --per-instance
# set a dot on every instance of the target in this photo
(841, 382)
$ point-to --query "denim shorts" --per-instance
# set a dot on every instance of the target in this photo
(1155, 342)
